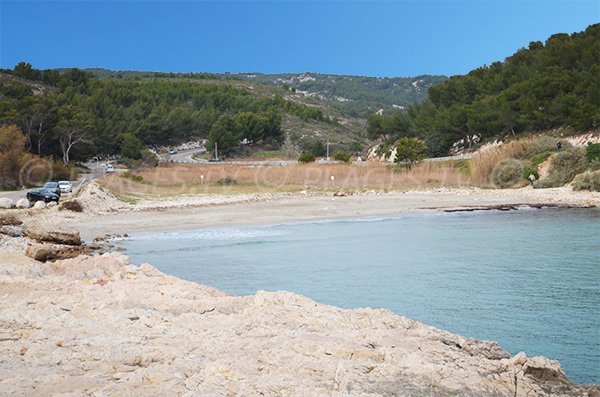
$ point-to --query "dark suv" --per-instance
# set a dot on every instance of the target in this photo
(53, 187)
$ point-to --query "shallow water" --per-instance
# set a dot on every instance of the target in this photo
(529, 279)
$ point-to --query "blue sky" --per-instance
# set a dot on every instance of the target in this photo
(402, 38)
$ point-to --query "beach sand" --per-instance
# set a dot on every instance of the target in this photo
(185, 213)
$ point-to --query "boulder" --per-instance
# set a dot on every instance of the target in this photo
(22, 203)
(47, 252)
(41, 252)
(5, 202)
(39, 205)
(9, 219)
(58, 236)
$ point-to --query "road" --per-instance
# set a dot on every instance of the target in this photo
(96, 171)
(185, 156)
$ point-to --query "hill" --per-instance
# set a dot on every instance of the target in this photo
(73, 113)
(548, 85)
(358, 96)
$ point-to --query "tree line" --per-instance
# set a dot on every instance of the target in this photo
(72, 114)
(545, 86)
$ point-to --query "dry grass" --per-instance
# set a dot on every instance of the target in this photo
(216, 178)
(484, 163)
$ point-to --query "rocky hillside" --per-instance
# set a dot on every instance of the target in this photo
(357, 96)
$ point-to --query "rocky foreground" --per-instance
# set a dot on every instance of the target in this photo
(99, 326)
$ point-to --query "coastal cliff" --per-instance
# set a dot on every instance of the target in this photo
(100, 326)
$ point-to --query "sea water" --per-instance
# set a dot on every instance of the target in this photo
(529, 279)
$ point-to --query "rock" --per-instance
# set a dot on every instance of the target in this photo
(42, 252)
(99, 325)
(51, 204)
(72, 205)
(9, 219)
(545, 370)
(22, 203)
(5, 202)
(48, 252)
(58, 236)
(39, 205)
(340, 194)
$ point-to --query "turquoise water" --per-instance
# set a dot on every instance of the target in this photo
(529, 279)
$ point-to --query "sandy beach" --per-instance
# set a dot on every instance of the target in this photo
(184, 213)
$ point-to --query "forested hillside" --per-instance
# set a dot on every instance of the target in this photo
(73, 114)
(357, 96)
(548, 85)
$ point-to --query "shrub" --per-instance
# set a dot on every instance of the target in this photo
(509, 173)
(341, 155)
(592, 151)
(410, 151)
(72, 205)
(12, 156)
(135, 178)
(564, 166)
(306, 157)
(589, 180)
(227, 181)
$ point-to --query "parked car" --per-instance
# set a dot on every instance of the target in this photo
(214, 160)
(44, 195)
(53, 187)
(65, 186)
(110, 169)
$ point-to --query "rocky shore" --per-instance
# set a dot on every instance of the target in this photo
(99, 326)
(73, 323)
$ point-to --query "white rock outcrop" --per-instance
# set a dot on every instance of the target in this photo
(6, 203)
(100, 326)
(22, 203)
(39, 205)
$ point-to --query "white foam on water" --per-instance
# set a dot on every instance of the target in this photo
(211, 235)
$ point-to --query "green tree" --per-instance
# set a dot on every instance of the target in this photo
(306, 157)
(222, 134)
(131, 146)
(410, 151)
(73, 128)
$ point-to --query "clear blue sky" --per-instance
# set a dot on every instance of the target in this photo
(402, 38)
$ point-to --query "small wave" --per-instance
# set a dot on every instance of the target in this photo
(210, 235)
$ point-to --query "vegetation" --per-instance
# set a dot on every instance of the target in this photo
(72, 114)
(410, 151)
(564, 166)
(547, 85)
(306, 157)
(342, 156)
(510, 173)
(589, 180)
(71, 205)
(357, 96)
(592, 152)
(19, 168)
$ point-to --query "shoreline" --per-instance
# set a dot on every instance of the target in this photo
(189, 213)
(100, 325)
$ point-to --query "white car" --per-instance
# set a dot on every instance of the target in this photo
(65, 186)
(110, 169)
